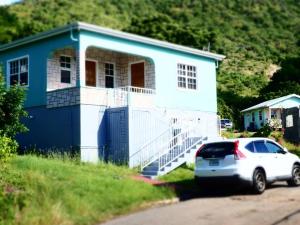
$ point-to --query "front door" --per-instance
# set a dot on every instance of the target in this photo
(137, 74)
(90, 73)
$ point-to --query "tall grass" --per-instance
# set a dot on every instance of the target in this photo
(52, 191)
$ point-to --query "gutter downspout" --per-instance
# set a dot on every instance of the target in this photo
(72, 35)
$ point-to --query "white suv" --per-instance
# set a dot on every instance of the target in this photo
(254, 161)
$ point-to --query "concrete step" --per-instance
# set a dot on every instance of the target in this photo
(151, 168)
(150, 173)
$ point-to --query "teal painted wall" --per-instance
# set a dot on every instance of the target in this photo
(165, 60)
(168, 95)
(38, 53)
(257, 122)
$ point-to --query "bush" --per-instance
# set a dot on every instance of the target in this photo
(265, 131)
(11, 109)
(8, 148)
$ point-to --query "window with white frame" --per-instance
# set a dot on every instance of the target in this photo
(65, 69)
(109, 75)
(186, 76)
(18, 71)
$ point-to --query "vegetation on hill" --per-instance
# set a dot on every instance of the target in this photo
(257, 36)
(51, 191)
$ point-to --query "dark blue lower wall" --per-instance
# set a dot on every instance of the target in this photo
(51, 128)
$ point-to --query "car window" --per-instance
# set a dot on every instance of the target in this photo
(217, 150)
(272, 147)
(260, 147)
(250, 147)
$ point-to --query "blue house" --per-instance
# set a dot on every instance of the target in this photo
(127, 98)
(255, 117)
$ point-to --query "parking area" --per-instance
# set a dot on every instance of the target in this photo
(278, 205)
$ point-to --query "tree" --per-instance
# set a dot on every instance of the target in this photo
(11, 109)
(165, 28)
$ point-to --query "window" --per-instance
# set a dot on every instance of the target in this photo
(18, 71)
(260, 147)
(273, 148)
(273, 114)
(250, 147)
(217, 150)
(109, 75)
(186, 76)
(65, 69)
(260, 115)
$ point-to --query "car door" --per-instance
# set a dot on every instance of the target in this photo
(265, 158)
(281, 160)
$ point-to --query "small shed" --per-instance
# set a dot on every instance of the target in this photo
(291, 124)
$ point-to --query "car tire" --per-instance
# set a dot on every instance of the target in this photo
(259, 181)
(295, 180)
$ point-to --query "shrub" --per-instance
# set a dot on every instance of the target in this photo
(11, 109)
(8, 148)
(265, 131)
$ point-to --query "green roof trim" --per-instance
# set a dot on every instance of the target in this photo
(271, 102)
(113, 33)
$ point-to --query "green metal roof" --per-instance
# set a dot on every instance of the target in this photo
(269, 103)
(113, 33)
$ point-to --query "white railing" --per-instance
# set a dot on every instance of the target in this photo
(179, 145)
(118, 97)
(177, 139)
(137, 90)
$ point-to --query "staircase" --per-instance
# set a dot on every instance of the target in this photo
(169, 161)
(172, 148)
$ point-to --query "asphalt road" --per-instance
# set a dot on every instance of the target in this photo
(277, 206)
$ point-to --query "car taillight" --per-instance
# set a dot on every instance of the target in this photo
(199, 150)
(237, 153)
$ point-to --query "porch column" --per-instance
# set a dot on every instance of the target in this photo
(81, 64)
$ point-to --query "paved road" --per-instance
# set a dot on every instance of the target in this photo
(277, 206)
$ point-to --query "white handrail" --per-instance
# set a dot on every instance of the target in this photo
(189, 139)
(165, 142)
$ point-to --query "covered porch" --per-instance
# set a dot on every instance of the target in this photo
(108, 78)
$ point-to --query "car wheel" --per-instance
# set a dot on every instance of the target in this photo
(295, 180)
(259, 181)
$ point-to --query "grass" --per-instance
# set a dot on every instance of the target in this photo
(35, 190)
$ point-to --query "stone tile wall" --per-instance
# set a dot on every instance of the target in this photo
(121, 62)
(53, 69)
(63, 97)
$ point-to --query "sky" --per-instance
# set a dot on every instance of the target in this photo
(7, 2)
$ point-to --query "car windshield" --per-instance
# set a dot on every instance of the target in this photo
(217, 150)
(225, 121)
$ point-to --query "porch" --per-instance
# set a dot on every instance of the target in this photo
(111, 79)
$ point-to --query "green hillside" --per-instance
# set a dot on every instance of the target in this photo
(258, 36)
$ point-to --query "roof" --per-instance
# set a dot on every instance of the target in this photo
(112, 33)
(270, 102)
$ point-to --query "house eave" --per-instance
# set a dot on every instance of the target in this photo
(149, 41)
(253, 109)
(112, 33)
(37, 37)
